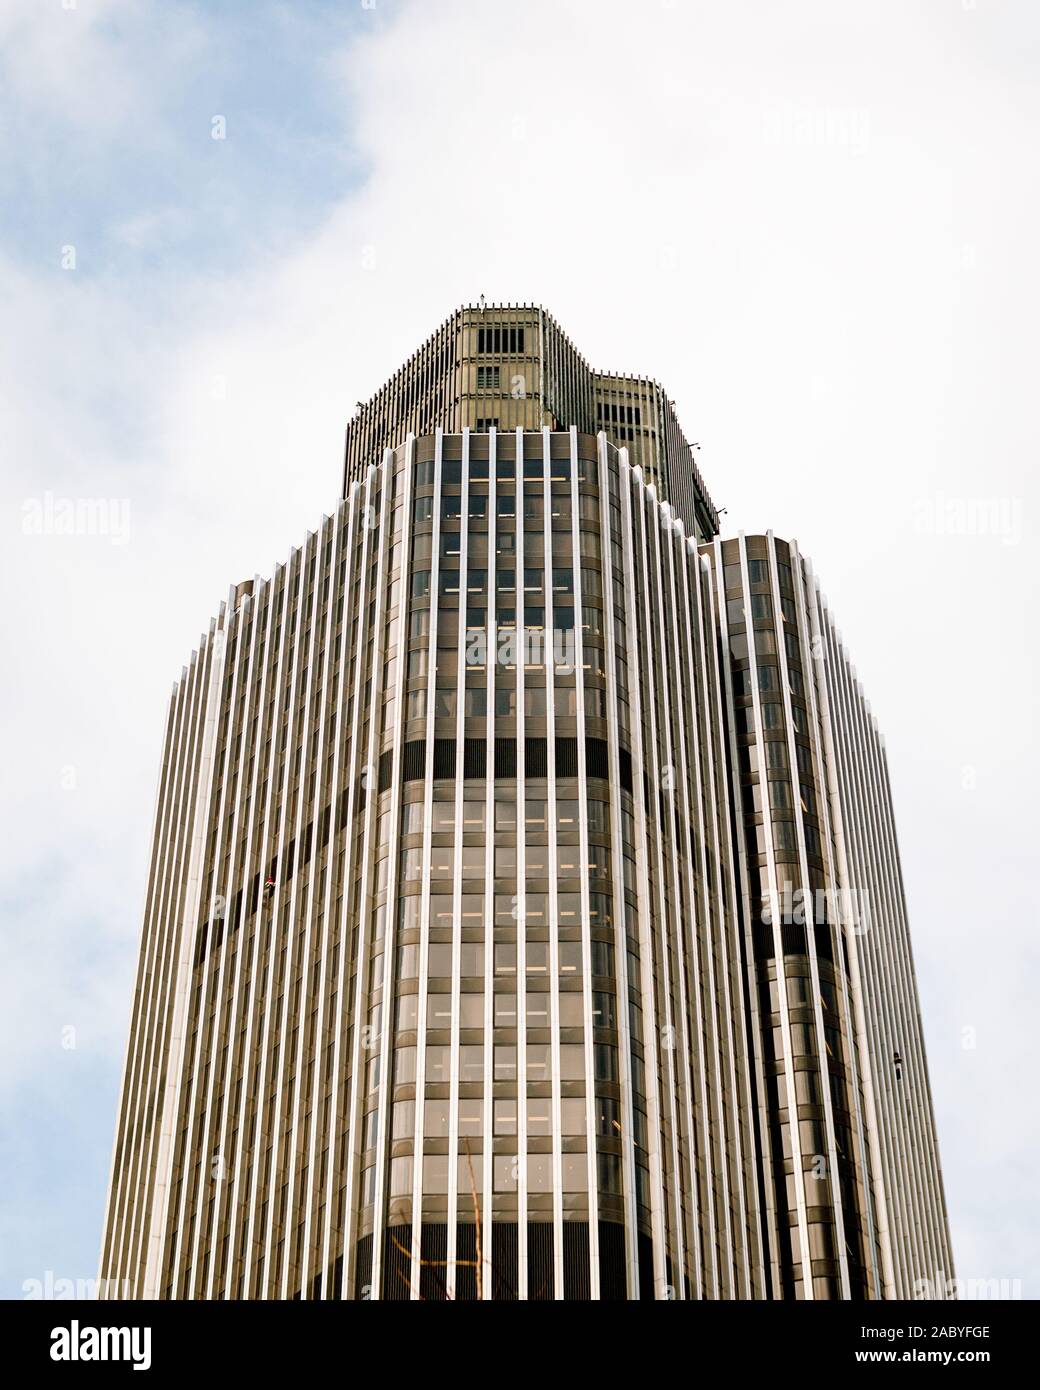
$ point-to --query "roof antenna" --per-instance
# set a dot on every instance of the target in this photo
(482, 302)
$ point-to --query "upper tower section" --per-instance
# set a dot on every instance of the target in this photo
(505, 367)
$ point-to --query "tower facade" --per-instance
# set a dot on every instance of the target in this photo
(476, 960)
(852, 1189)
(510, 367)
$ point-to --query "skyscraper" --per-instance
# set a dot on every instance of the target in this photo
(525, 917)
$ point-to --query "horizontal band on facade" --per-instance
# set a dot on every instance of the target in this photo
(504, 762)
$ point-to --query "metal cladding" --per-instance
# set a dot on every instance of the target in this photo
(848, 1147)
(510, 367)
(505, 933)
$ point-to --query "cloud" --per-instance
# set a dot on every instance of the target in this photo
(833, 276)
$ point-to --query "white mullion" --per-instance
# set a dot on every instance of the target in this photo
(312, 549)
(674, 727)
(286, 717)
(383, 473)
(130, 1088)
(651, 570)
(887, 1029)
(739, 883)
(816, 745)
(279, 587)
(418, 1146)
(688, 732)
(901, 970)
(591, 1179)
(520, 905)
(259, 828)
(734, 984)
(873, 1168)
(877, 1018)
(330, 545)
(200, 987)
(240, 861)
(491, 659)
(794, 780)
(621, 980)
(776, 921)
(454, 1071)
(146, 1036)
(722, 1017)
(361, 771)
(346, 517)
(904, 1033)
(194, 809)
(553, 857)
(632, 482)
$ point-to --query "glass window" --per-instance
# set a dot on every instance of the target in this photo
(761, 606)
(505, 1172)
(570, 957)
(572, 1007)
(538, 1067)
(473, 861)
(539, 1173)
(435, 1173)
(407, 1012)
(505, 1062)
(572, 1118)
(539, 1117)
(403, 1119)
(438, 1065)
(440, 959)
(537, 1006)
(505, 1116)
(537, 958)
(438, 1011)
(471, 1062)
(471, 1011)
(575, 1170)
(534, 700)
(400, 1177)
(505, 1006)
(772, 715)
(436, 1116)
(404, 1066)
(444, 704)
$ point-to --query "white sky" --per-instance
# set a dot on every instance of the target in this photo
(815, 223)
